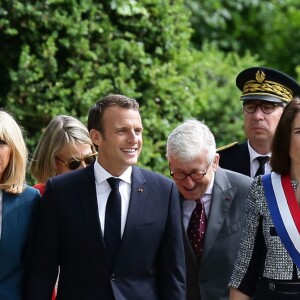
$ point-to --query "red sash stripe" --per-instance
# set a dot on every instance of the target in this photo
(291, 200)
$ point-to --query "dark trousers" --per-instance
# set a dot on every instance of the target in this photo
(277, 290)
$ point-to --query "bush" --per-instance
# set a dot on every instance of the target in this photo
(60, 57)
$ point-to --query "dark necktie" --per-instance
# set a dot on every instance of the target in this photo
(196, 228)
(112, 228)
(262, 161)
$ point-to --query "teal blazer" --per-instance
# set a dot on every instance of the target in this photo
(18, 214)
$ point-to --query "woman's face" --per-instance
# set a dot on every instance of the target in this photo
(69, 153)
(5, 152)
(295, 142)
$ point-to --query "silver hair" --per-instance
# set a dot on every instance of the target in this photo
(191, 139)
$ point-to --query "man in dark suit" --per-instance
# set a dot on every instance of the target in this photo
(220, 194)
(265, 92)
(136, 253)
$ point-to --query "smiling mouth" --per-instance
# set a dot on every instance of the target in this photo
(190, 190)
(129, 150)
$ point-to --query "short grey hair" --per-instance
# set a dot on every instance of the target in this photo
(191, 139)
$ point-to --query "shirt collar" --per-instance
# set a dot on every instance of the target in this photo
(101, 174)
(211, 185)
(253, 154)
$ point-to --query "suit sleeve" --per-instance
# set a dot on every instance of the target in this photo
(43, 261)
(171, 257)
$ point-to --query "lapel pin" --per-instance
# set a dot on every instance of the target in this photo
(227, 198)
(140, 190)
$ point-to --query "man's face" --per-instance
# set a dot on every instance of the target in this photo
(120, 144)
(259, 126)
(193, 189)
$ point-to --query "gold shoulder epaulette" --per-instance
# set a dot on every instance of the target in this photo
(226, 146)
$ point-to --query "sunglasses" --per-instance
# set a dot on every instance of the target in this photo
(75, 163)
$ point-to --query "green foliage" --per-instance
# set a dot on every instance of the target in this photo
(217, 101)
(61, 56)
(268, 29)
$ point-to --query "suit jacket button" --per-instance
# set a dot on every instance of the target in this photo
(271, 286)
(113, 277)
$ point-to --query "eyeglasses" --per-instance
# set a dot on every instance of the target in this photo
(265, 107)
(75, 163)
(197, 175)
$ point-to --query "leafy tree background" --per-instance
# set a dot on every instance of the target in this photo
(268, 29)
(178, 59)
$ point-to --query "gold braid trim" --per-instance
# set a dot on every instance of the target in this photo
(227, 146)
(275, 88)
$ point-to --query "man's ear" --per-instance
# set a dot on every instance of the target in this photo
(216, 162)
(96, 137)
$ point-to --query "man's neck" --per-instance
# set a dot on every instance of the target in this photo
(261, 148)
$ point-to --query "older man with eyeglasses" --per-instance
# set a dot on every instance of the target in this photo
(212, 201)
(265, 92)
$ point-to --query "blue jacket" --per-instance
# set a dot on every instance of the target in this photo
(18, 213)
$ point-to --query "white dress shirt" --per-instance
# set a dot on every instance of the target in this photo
(254, 164)
(103, 190)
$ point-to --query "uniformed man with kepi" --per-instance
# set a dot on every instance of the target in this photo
(265, 92)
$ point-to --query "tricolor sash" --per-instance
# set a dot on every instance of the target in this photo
(284, 211)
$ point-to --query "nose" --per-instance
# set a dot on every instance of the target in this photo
(189, 182)
(82, 165)
(258, 114)
(132, 137)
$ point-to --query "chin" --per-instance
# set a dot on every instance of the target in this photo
(189, 196)
(131, 162)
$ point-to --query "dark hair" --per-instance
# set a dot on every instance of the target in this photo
(96, 111)
(280, 160)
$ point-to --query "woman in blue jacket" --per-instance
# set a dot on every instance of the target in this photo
(18, 203)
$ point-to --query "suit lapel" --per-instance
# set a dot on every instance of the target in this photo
(187, 244)
(188, 247)
(9, 220)
(222, 197)
(243, 163)
(138, 196)
(88, 201)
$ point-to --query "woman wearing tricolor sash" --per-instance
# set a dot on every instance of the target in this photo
(268, 261)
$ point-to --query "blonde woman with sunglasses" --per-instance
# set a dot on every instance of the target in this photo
(64, 146)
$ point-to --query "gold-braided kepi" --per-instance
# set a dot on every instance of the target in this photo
(261, 83)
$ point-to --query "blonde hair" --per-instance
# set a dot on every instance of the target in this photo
(61, 131)
(13, 179)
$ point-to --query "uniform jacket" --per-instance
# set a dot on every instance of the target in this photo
(18, 215)
(236, 158)
(208, 279)
(150, 263)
